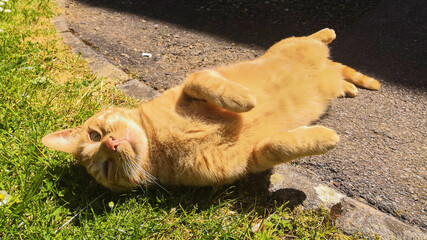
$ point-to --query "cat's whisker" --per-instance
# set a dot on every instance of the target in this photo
(149, 178)
(164, 189)
(127, 169)
(153, 180)
(134, 167)
(130, 166)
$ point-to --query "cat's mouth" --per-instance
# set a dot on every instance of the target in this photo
(120, 168)
(106, 169)
(109, 171)
(112, 176)
(116, 178)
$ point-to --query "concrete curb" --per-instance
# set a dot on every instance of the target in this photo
(301, 188)
(287, 182)
(98, 64)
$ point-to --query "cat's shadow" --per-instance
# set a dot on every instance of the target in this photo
(82, 195)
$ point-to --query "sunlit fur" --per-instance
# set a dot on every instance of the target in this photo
(221, 123)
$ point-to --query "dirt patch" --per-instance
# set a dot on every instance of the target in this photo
(381, 158)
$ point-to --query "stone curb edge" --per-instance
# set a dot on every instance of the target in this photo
(354, 216)
(300, 187)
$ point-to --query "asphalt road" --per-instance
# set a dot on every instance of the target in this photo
(381, 158)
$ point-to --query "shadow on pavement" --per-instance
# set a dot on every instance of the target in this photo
(294, 197)
(252, 22)
(386, 38)
(390, 42)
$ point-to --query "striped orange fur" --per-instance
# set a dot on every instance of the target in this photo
(221, 123)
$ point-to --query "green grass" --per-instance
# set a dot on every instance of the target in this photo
(43, 88)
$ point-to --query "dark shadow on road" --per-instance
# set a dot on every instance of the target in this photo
(385, 38)
(389, 43)
(252, 22)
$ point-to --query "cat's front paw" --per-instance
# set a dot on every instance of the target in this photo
(325, 138)
(215, 89)
(319, 139)
(238, 99)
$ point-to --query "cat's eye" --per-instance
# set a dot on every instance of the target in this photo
(94, 136)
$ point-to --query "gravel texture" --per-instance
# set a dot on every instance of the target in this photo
(381, 158)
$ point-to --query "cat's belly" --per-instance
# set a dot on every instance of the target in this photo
(204, 161)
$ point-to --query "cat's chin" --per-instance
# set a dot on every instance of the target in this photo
(117, 188)
(124, 184)
(116, 178)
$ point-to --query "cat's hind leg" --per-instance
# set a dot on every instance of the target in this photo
(297, 143)
(211, 86)
(325, 35)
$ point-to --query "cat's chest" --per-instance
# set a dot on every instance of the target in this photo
(199, 131)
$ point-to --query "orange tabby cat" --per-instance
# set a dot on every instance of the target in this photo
(221, 123)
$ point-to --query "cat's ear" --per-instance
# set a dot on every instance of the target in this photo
(64, 140)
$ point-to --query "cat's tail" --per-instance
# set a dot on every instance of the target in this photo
(358, 78)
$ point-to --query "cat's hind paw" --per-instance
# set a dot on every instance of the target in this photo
(349, 90)
(325, 35)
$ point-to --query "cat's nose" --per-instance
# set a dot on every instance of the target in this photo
(112, 143)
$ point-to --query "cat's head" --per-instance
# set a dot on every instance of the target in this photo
(111, 145)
